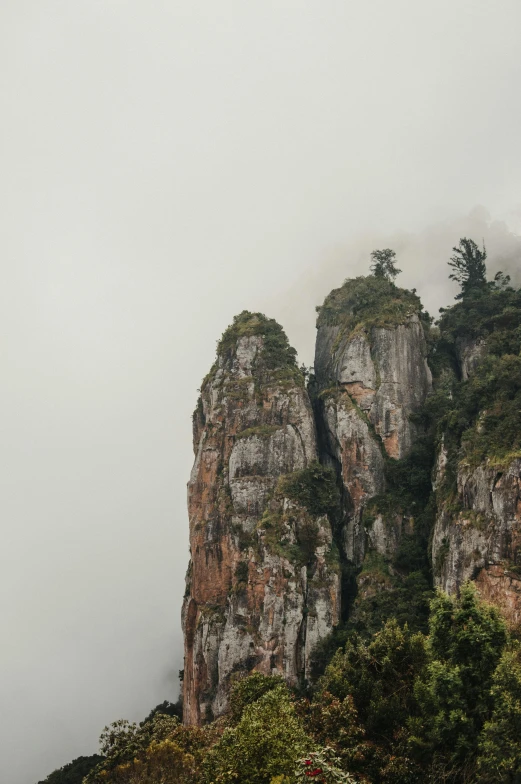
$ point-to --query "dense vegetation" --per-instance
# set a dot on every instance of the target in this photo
(481, 417)
(313, 492)
(368, 302)
(277, 359)
(276, 348)
(315, 488)
(74, 772)
(398, 707)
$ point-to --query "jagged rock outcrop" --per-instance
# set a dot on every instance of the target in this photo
(384, 371)
(263, 582)
(477, 532)
(478, 535)
(469, 352)
(286, 496)
(371, 376)
(349, 445)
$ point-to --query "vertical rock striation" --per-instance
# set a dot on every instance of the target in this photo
(371, 376)
(263, 580)
(477, 535)
(477, 532)
(286, 496)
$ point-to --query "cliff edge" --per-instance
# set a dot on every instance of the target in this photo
(263, 581)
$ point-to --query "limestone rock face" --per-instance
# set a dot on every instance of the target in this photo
(477, 536)
(263, 582)
(385, 533)
(469, 352)
(350, 446)
(369, 381)
(385, 372)
(480, 539)
(267, 533)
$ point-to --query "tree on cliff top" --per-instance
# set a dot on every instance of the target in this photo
(383, 265)
(468, 263)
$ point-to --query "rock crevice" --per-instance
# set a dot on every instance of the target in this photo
(263, 582)
(369, 383)
(294, 518)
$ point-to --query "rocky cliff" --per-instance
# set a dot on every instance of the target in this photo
(477, 535)
(477, 532)
(307, 510)
(371, 377)
(263, 581)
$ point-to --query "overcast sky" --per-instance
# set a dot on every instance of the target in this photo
(165, 165)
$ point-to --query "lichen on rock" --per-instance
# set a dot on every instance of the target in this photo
(478, 537)
(311, 507)
(477, 533)
(264, 586)
(371, 377)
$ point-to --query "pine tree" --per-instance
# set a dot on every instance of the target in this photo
(468, 263)
(466, 641)
(500, 742)
(383, 265)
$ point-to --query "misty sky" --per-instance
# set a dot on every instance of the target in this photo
(165, 165)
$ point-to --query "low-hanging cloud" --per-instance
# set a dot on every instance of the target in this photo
(422, 258)
(166, 165)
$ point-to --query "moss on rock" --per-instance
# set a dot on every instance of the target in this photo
(366, 302)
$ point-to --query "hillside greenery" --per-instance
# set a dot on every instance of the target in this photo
(314, 487)
(398, 707)
(479, 418)
(74, 772)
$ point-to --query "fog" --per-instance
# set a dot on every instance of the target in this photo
(164, 166)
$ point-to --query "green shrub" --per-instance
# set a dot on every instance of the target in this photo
(379, 677)
(74, 772)
(267, 742)
(500, 741)
(276, 351)
(466, 640)
(248, 690)
(274, 364)
(480, 418)
(261, 431)
(293, 532)
(405, 599)
(280, 525)
(314, 488)
(482, 314)
(368, 302)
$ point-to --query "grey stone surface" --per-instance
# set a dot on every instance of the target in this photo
(369, 384)
(270, 620)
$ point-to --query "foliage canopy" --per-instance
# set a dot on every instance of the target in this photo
(382, 264)
(468, 263)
